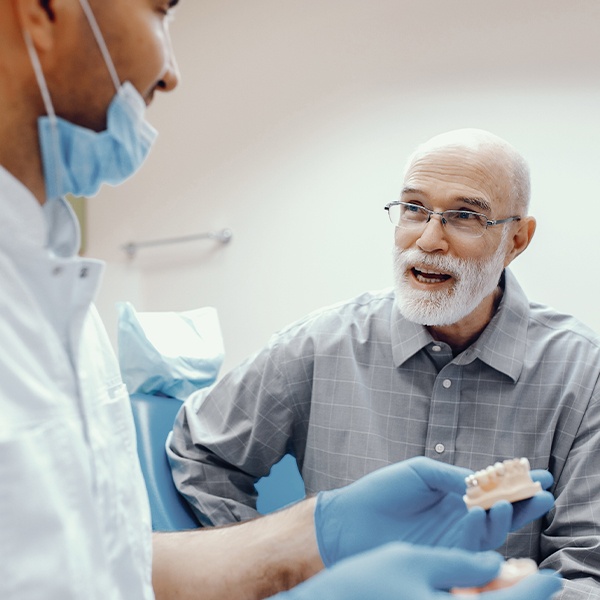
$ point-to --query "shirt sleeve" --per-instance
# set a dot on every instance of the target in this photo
(226, 439)
(571, 541)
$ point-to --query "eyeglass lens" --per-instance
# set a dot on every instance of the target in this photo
(463, 222)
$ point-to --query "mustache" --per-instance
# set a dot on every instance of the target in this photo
(411, 257)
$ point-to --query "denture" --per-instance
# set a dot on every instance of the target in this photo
(511, 572)
(509, 480)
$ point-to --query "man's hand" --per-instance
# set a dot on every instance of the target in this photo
(404, 572)
(417, 501)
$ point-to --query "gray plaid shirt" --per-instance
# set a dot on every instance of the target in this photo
(355, 386)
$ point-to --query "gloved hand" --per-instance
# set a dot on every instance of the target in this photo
(403, 572)
(418, 501)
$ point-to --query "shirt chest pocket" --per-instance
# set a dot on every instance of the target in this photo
(121, 494)
(46, 513)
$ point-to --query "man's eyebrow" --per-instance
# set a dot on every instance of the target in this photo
(173, 3)
(479, 202)
(410, 190)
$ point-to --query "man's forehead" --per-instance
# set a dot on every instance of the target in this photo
(451, 160)
(457, 174)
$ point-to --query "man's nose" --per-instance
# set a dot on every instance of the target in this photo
(433, 236)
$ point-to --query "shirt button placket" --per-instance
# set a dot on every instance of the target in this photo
(443, 415)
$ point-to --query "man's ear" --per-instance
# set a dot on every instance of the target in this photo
(37, 18)
(520, 239)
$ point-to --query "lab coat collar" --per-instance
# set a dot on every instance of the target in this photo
(53, 225)
(41, 242)
(22, 219)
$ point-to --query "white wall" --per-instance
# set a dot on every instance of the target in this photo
(291, 126)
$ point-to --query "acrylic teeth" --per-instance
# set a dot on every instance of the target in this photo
(508, 480)
(499, 469)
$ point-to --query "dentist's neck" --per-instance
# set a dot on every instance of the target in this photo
(20, 150)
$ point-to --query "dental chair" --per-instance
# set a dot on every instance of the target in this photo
(154, 417)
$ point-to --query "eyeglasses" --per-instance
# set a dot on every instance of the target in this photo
(466, 223)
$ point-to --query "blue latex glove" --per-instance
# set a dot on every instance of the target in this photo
(417, 501)
(404, 572)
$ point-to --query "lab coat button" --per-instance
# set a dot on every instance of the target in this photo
(83, 273)
(57, 271)
(439, 448)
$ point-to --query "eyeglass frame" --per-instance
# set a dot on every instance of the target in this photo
(444, 221)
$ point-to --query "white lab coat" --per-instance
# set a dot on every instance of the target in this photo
(74, 515)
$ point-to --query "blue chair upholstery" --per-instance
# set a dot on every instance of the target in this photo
(154, 417)
(283, 486)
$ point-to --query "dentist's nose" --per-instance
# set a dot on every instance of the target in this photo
(170, 79)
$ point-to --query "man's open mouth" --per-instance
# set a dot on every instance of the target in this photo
(429, 276)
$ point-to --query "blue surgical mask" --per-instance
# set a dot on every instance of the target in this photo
(78, 160)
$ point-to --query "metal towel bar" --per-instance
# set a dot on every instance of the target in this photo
(223, 236)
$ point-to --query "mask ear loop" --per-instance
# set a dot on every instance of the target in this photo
(39, 75)
(101, 43)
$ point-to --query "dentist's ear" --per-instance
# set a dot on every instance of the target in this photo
(520, 239)
(37, 17)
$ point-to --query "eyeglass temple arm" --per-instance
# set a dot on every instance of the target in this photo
(500, 221)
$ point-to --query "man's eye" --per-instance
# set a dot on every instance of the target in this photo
(412, 208)
(464, 215)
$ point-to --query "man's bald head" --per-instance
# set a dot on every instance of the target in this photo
(502, 158)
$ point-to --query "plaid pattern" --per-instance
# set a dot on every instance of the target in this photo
(355, 386)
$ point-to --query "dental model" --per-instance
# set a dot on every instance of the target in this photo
(511, 572)
(508, 480)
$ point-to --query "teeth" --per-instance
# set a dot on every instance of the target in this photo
(431, 272)
(484, 481)
(471, 481)
(509, 480)
(424, 275)
(422, 279)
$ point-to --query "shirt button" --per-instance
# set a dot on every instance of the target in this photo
(439, 448)
(446, 383)
(436, 348)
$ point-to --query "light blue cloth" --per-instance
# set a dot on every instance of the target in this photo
(170, 353)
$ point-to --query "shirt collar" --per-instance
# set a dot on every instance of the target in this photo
(501, 345)
(53, 226)
(407, 337)
(503, 342)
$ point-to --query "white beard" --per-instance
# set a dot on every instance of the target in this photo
(473, 281)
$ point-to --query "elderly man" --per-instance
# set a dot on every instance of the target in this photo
(454, 364)
(75, 77)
